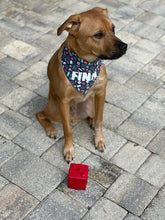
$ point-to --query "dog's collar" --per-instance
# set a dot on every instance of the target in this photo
(81, 73)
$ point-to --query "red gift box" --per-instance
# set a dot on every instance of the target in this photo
(77, 177)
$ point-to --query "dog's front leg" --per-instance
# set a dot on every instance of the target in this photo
(68, 150)
(99, 138)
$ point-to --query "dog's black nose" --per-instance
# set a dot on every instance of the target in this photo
(123, 46)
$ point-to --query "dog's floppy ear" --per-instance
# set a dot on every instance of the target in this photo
(72, 25)
(105, 11)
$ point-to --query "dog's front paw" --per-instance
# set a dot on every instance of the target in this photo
(99, 143)
(68, 153)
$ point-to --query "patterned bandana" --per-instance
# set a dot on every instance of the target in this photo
(81, 73)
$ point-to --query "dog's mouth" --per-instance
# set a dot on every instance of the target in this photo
(113, 56)
(117, 55)
(121, 50)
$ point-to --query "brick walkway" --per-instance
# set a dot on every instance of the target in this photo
(127, 181)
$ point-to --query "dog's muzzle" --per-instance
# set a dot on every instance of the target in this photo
(121, 49)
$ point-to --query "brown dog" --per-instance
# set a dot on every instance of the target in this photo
(91, 36)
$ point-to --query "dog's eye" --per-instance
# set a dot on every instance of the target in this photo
(113, 29)
(99, 35)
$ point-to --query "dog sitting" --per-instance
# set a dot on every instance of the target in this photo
(77, 76)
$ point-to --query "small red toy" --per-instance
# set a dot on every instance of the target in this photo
(77, 177)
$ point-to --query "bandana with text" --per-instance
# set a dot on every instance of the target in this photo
(81, 73)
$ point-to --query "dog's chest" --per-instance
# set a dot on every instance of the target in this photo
(81, 73)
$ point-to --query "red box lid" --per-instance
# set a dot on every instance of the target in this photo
(78, 171)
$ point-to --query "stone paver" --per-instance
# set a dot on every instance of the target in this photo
(54, 155)
(119, 72)
(125, 98)
(147, 86)
(131, 157)
(155, 69)
(26, 34)
(142, 126)
(156, 210)
(39, 69)
(113, 141)
(12, 124)
(105, 209)
(20, 50)
(153, 7)
(37, 104)
(18, 98)
(113, 116)
(153, 171)
(127, 13)
(43, 90)
(157, 144)
(132, 193)
(15, 203)
(7, 150)
(131, 217)
(143, 30)
(32, 174)
(3, 108)
(159, 94)
(58, 206)
(6, 86)
(86, 197)
(29, 80)
(102, 171)
(126, 182)
(48, 41)
(34, 139)
(10, 67)
(145, 50)
(3, 182)
(130, 38)
(151, 18)
(9, 25)
(155, 105)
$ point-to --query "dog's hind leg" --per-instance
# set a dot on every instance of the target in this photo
(91, 122)
(50, 114)
(91, 111)
(50, 130)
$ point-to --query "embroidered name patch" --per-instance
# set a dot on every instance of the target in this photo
(81, 73)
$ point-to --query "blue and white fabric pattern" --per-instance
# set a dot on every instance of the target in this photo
(81, 73)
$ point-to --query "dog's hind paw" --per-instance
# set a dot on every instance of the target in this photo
(91, 122)
(51, 132)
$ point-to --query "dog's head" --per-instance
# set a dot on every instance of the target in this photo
(93, 33)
